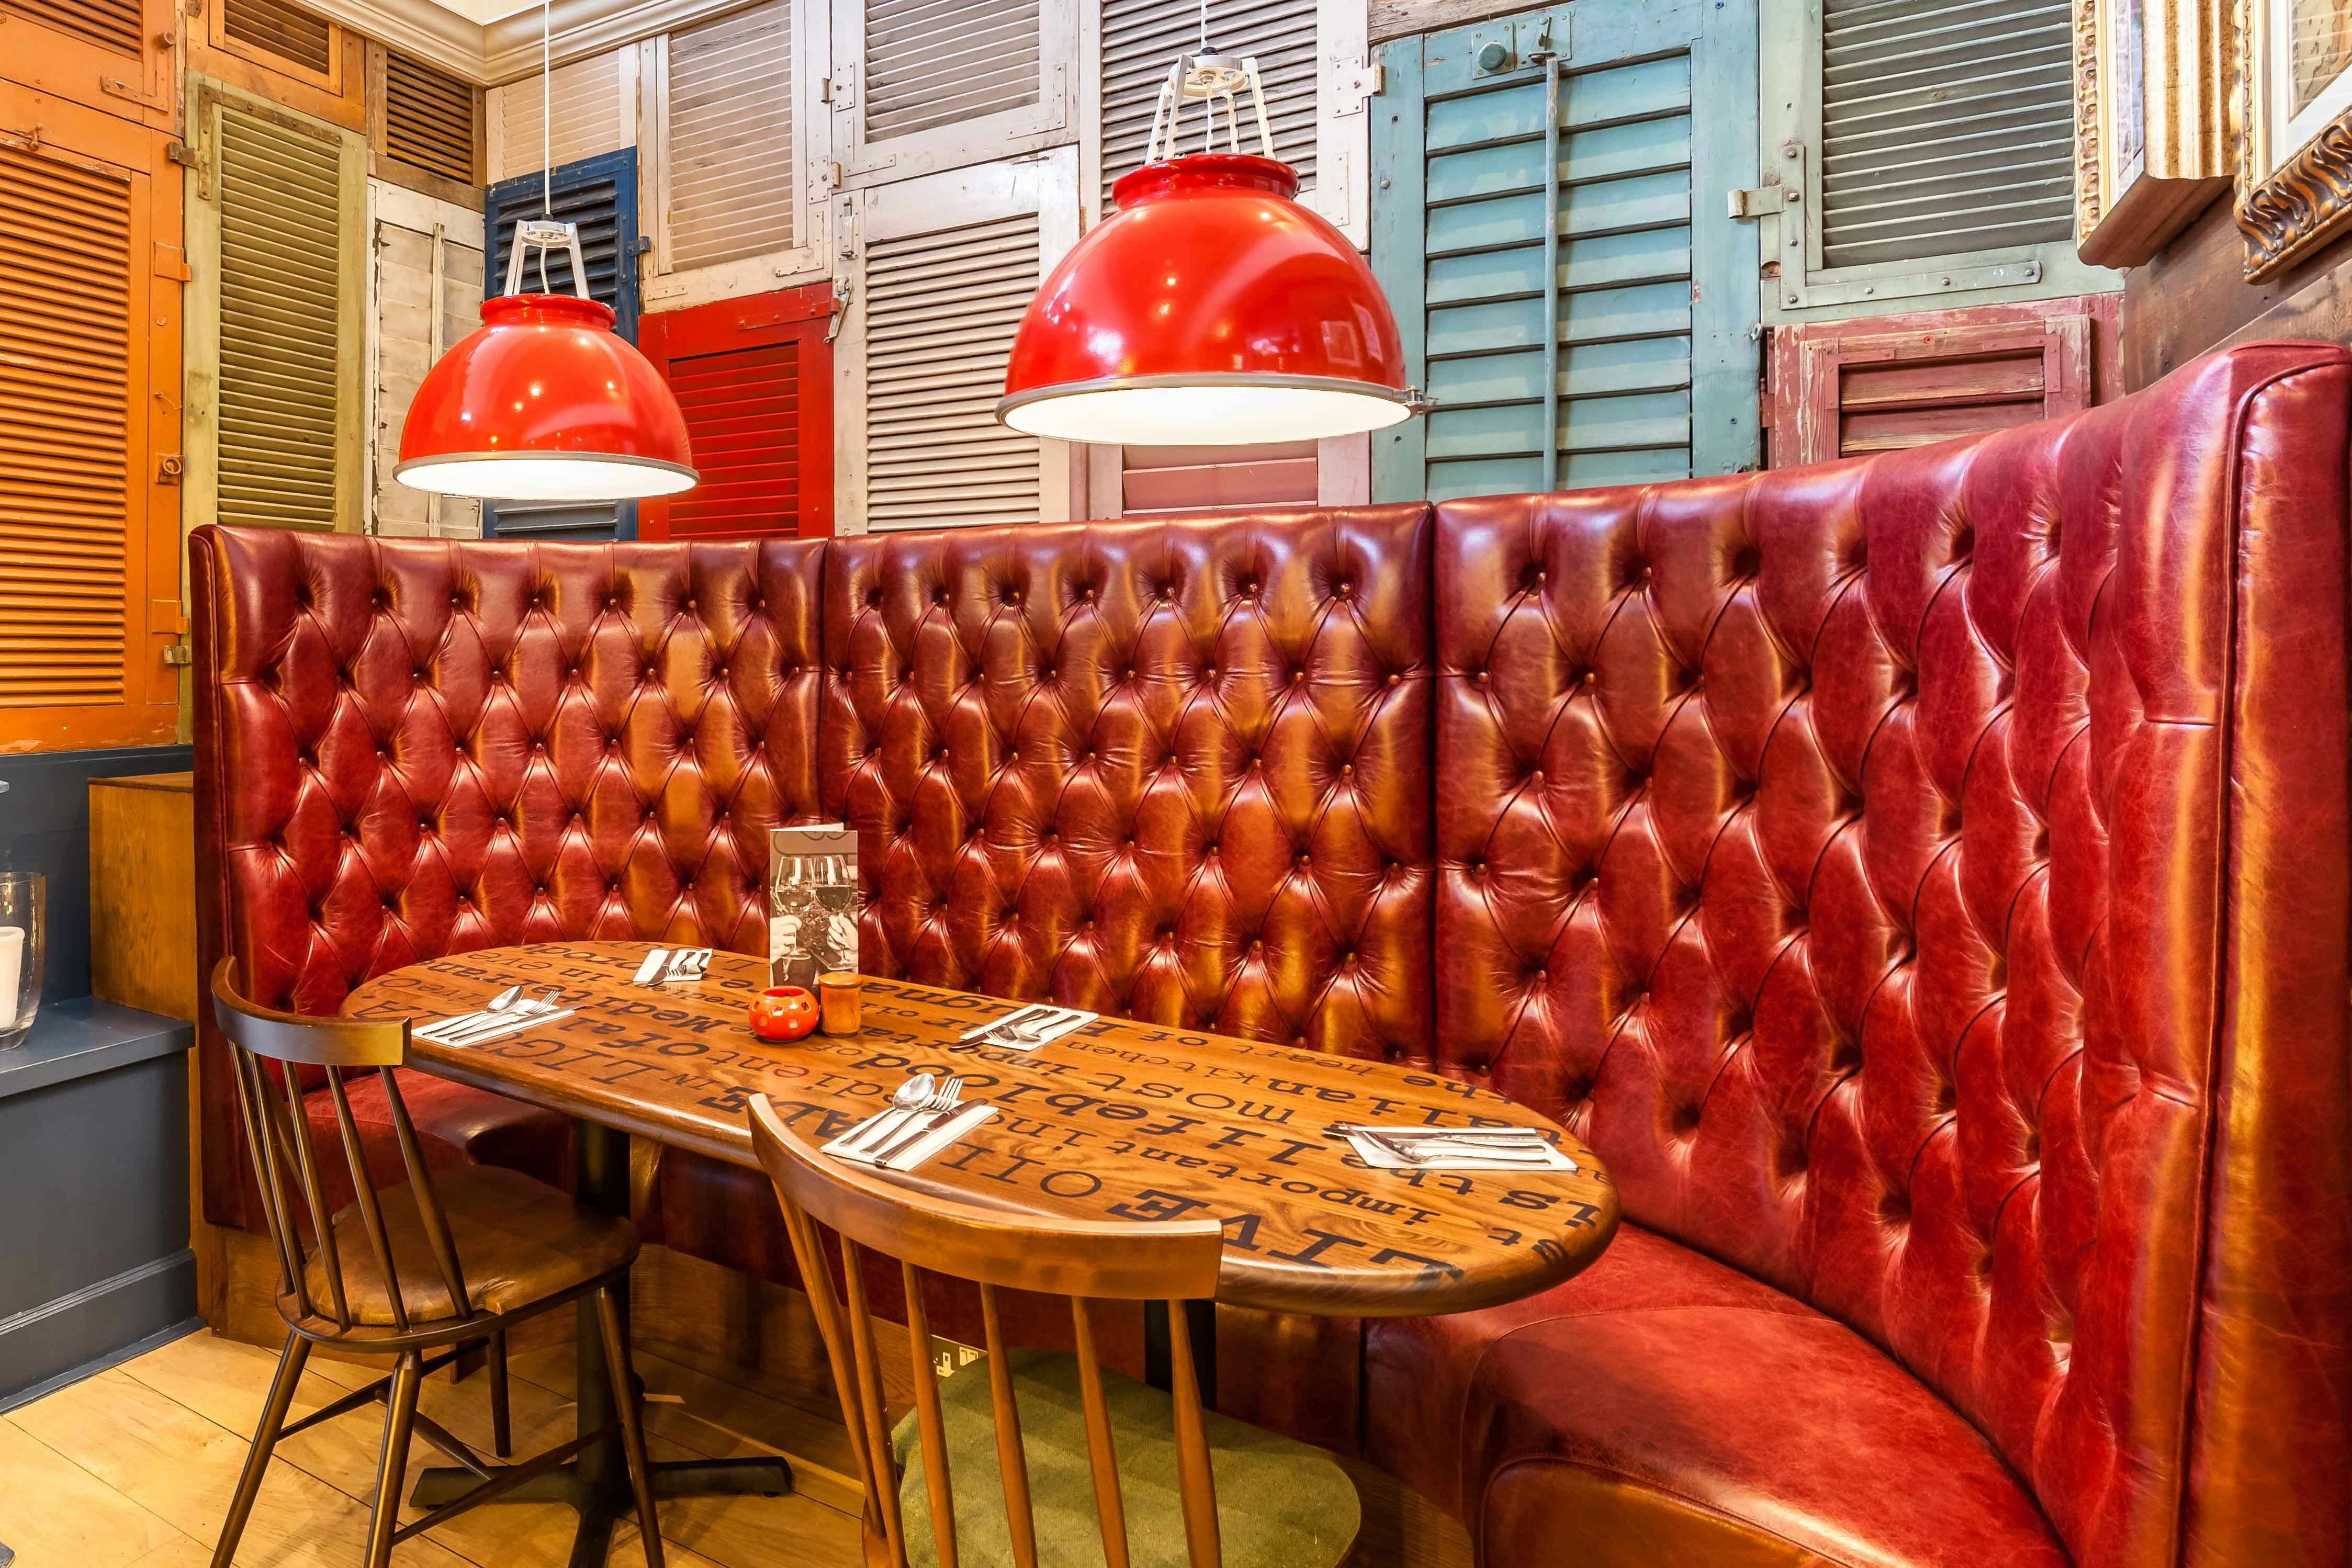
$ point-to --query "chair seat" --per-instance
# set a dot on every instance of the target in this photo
(1280, 1504)
(518, 1242)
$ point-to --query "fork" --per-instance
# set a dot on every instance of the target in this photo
(915, 1094)
(914, 1124)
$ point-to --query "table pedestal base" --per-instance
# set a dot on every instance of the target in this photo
(597, 1482)
(605, 1501)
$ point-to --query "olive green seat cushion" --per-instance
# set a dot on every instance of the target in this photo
(1280, 1504)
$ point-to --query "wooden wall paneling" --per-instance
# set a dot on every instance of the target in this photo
(114, 55)
(1216, 478)
(1847, 389)
(755, 379)
(142, 892)
(92, 586)
(276, 50)
(2193, 297)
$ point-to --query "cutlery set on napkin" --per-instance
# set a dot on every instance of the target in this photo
(1453, 1148)
(664, 964)
(1027, 1029)
(508, 1013)
(924, 1117)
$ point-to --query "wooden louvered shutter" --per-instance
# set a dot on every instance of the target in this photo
(425, 127)
(89, 341)
(111, 55)
(933, 87)
(946, 266)
(591, 98)
(66, 409)
(1625, 363)
(731, 172)
(279, 403)
(600, 195)
(428, 296)
(755, 379)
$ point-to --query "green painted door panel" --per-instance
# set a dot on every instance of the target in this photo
(1572, 291)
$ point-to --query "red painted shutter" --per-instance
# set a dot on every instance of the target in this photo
(755, 377)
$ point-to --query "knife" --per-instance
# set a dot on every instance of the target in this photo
(1015, 1016)
(910, 1153)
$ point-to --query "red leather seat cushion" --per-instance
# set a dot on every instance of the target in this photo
(1663, 1409)
(456, 1125)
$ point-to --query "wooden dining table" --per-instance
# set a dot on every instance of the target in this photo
(1121, 1120)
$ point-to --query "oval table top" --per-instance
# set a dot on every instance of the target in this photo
(1121, 1120)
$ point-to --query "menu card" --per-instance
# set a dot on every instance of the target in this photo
(812, 903)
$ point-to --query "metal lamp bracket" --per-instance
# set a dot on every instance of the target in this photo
(1208, 79)
(545, 234)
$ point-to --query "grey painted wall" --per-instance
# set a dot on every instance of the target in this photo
(94, 1259)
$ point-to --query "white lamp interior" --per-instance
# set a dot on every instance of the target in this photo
(1205, 415)
(551, 478)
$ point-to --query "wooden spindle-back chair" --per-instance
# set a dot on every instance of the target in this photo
(1175, 1262)
(407, 1292)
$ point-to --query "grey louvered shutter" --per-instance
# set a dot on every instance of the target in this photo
(940, 313)
(1142, 38)
(282, 347)
(929, 64)
(1945, 127)
(733, 175)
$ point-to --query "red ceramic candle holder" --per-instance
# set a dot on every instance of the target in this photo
(782, 1013)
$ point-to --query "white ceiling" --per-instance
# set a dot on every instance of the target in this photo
(485, 10)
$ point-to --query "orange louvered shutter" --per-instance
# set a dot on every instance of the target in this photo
(88, 409)
(108, 54)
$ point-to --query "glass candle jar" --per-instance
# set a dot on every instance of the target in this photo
(24, 941)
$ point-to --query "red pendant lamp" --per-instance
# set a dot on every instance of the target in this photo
(545, 403)
(1211, 307)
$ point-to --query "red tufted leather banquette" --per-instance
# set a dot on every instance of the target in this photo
(1926, 879)
(410, 749)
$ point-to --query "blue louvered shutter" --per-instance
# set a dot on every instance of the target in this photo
(600, 195)
(1637, 349)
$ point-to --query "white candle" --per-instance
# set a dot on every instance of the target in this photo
(12, 972)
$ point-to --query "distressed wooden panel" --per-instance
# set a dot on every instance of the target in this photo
(1847, 389)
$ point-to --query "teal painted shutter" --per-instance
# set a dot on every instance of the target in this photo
(1637, 349)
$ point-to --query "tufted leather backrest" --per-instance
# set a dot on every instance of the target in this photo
(1924, 880)
(1174, 770)
(408, 748)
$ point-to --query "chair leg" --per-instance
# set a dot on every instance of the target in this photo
(502, 1421)
(633, 1431)
(264, 1439)
(399, 1420)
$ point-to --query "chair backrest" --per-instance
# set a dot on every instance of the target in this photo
(285, 1163)
(1173, 1262)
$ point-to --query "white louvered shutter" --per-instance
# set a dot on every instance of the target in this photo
(1945, 127)
(277, 409)
(1142, 38)
(732, 171)
(428, 296)
(947, 266)
(934, 83)
(589, 98)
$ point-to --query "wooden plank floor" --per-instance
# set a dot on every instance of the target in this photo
(135, 1466)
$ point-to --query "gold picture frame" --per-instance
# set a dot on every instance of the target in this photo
(2152, 121)
(2296, 188)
